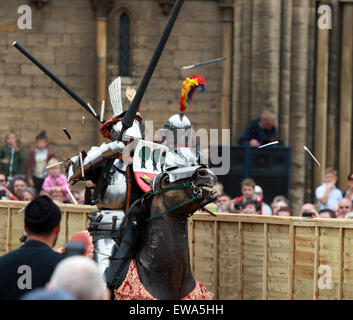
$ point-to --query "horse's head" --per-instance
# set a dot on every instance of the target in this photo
(183, 190)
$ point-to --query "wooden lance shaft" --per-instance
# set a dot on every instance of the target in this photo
(131, 113)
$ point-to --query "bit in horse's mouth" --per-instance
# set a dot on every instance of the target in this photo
(213, 194)
(209, 188)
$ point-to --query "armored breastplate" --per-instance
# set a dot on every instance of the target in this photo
(115, 194)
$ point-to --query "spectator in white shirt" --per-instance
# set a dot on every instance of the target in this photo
(328, 194)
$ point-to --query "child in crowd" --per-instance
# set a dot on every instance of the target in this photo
(248, 193)
(284, 212)
(252, 207)
(11, 156)
(38, 159)
(56, 179)
(278, 203)
(327, 213)
(328, 194)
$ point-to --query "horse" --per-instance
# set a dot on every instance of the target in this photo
(160, 268)
(148, 254)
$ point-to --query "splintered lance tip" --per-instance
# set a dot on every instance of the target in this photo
(22, 209)
(13, 43)
(92, 110)
(71, 195)
(81, 164)
(267, 144)
(312, 156)
(67, 133)
(102, 111)
(187, 67)
(55, 164)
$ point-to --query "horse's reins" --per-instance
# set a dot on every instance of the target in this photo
(194, 198)
(196, 191)
(197, 194)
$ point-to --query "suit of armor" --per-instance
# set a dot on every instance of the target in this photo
(115, 198)
(178, 135)
(113, 201)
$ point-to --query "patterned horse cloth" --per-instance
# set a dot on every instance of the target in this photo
(133, 289)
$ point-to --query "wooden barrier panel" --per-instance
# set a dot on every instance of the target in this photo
(240, 256)
(74, 219)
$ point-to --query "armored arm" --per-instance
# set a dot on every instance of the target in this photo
(94, 156)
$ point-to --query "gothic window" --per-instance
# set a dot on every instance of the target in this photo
(124, 45)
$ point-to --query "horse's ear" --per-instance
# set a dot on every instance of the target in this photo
(147, 180)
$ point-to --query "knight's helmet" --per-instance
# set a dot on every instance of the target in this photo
(111, 129)
(178, 131)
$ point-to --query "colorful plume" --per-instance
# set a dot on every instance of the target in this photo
(188, 90)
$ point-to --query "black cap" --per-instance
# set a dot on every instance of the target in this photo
(42, 215)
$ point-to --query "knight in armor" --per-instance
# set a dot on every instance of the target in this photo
(114, 245)
(177, 132)
(120, 189)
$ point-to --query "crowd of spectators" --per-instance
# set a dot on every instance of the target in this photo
(330, 202)
(36, 178)
(25, 178)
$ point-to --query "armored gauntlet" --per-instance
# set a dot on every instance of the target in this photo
(94, 156)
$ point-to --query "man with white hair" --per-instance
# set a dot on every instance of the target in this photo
(81, 277)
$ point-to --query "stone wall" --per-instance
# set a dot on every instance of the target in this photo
(63, 38)
(196, 36)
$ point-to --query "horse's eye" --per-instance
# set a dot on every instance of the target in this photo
(202, 173)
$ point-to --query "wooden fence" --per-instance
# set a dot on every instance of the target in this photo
(239, 256)
(74, 219)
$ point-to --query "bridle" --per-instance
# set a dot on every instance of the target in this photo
(193, 191)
